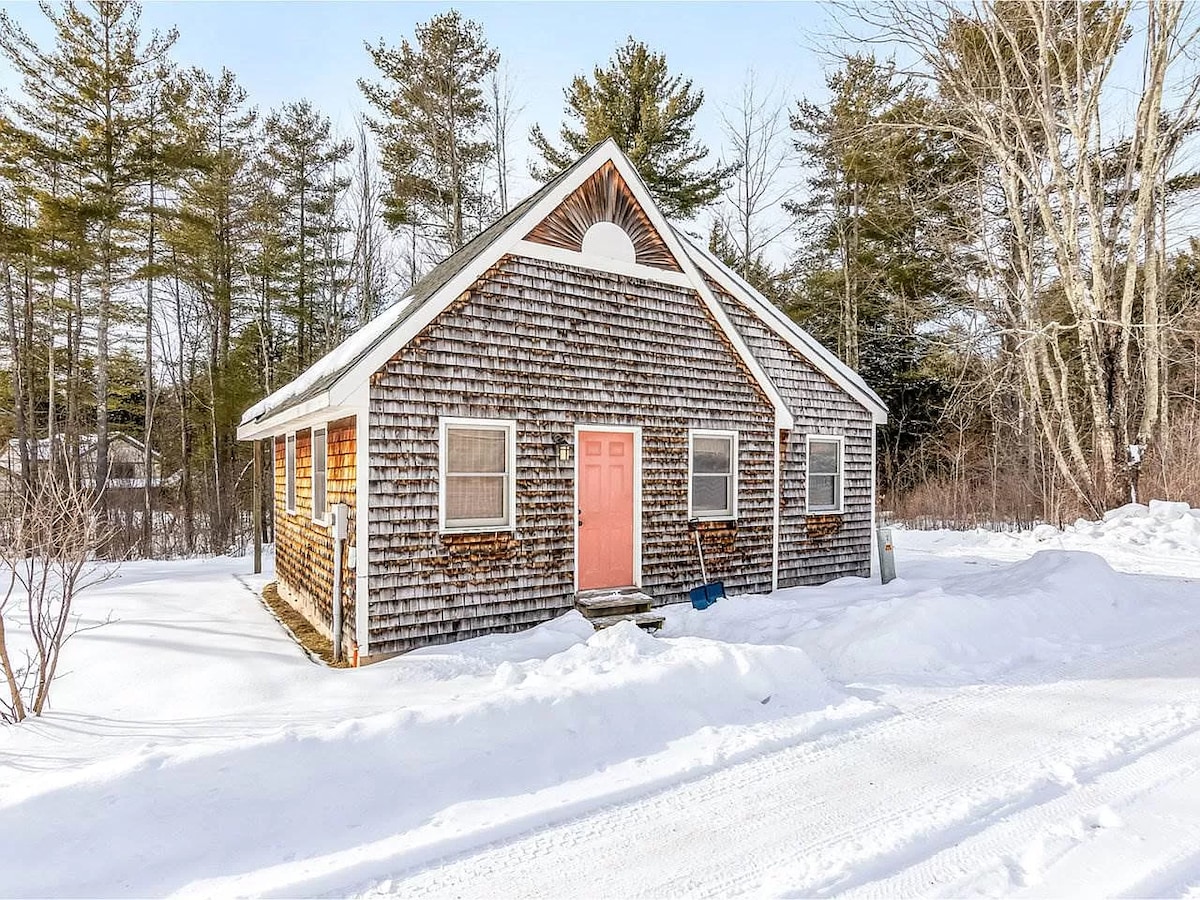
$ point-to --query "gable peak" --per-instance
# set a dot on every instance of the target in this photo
(605, 197)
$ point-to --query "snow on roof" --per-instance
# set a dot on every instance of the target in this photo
(327, 370)
(332, 363)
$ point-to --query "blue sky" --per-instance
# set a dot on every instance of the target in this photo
(286, 50)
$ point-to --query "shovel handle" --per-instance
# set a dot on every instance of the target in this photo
(700, 553)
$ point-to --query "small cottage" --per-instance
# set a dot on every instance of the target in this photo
(558, 408)
(126, 476)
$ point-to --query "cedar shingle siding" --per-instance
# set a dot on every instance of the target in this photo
(551, 345)
(303, 548)
(814, 549)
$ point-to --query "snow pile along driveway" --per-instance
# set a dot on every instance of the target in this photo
(817, 739)
(1161, 538)
(482, 738)
(1054, 605)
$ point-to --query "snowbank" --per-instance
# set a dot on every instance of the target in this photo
(1160, 538)
(1052, 606)
(967, 626)
(192, 754)
(193, 749)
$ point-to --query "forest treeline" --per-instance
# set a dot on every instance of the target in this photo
(1001, 249)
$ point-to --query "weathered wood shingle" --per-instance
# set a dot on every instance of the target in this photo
(550, 346)
(813, 548)
(304, 548)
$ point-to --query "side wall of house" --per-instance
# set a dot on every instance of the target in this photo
(304, 548)
(814, 548)
(552, 346)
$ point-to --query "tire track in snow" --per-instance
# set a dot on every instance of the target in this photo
(778, 823)
(1017, 850)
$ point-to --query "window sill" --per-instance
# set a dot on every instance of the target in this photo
(476, 529)
(726, 518)
(834, 511)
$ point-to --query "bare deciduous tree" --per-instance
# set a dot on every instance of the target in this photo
(48, 551)
(502, 114)
(755, 127)
(1076, 196)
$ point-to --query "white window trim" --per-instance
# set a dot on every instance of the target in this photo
(732, 515)
(510, 425)
(312, 454)
(840, 440)
(289, 472)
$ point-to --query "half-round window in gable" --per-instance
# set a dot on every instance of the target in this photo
(609, 240)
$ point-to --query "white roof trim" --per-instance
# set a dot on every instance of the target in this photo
(813, 350)
(608, 265)
(783, 415)
(313, 410)
(343, 390)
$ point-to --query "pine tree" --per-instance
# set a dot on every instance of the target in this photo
(648, 111)
(86, 104)
(209, 243)
(164, 160)
(430, 118)
(300, 159)
(873, 265)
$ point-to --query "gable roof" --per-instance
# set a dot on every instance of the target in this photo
(821, 359)
(335, 382)
(328, 369)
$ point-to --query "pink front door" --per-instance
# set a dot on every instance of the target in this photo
(605, 473)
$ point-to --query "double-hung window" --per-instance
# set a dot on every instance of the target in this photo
(320, 470)
(477, 479)
(289, 473)
(712, 475)
(825, 471)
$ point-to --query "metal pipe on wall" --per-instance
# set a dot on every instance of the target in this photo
(341, 516)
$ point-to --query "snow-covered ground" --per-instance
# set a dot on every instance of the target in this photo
(1016, 714)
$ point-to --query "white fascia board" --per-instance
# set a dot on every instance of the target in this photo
(311, 411)
(549, 253)
(349, 383)
(812, 349)
(783, 415)
(362, 520)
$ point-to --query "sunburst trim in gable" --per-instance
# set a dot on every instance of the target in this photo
(604, 197)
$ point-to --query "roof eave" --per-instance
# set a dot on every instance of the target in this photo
(294, 416)
(850, 381)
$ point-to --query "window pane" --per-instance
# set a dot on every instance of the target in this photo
(712, 455)
(475, 450)
(823, 457)
(320, 440)
(470, 497)
(710, 494)
(821, 491)
(290, 472)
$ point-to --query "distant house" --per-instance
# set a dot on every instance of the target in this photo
(551, 411)
(126, 462)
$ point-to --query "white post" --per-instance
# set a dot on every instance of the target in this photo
(341, 517)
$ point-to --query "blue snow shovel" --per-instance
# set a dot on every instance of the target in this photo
(710, 592)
